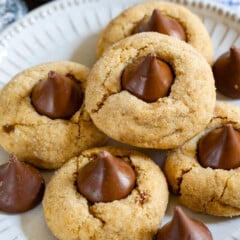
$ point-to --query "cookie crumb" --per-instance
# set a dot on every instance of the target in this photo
(8, 128)
(142, 198)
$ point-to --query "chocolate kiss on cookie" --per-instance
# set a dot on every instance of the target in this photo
(220, 148)
(21, 186)
(226, 71)
(182, 227)
(149, 80)
(106, 178)
(58, 96)
(162, 24)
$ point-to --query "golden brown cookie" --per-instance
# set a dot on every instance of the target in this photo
(36, 138)
(124, 25)
(70, 215)
(165, 123)
(206, 189)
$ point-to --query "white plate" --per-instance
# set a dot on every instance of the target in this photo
(68, 29)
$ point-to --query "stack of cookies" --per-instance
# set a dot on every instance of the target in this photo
(152, 87)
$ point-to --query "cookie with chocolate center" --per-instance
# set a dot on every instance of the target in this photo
(106, 193)
(151, 90)
(43, 115)
(162, 17)
(205, 170)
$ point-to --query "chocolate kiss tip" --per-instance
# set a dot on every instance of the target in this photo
(13, 158)
(105, 179)
(149, 80)
(197, 230)
(57, 96)
(103, 154)
(226, 71)
(182, 227)
(162, 24)
(220, 148)
(178, 214)
(22, 186)
(52, 74)
(234, 49)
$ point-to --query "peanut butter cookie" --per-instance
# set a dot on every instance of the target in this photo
(43, 117)
(106, 193)
(163, 17)
(151, 90)
(205, 171)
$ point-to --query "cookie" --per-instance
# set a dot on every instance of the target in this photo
(211, 189)
(70, 215)
(26, 130)
(168, 120)
(125, 24)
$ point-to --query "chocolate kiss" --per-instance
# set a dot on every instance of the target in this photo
(226, 72)
(106, 179)
(57, 96)
(149, 80)
(220, 148)
(21, 186)
(181, 227)
(162, 24)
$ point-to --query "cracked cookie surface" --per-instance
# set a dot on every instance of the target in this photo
(70, 216)
(35, 138)
(207, 190)
(123, 26)
(165, 123)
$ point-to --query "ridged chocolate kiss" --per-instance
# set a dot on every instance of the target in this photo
(106, 179)
(21, 186)
(162, 24)
(181, 227)
(226, 72)
(149, 80)
(58, 96)
(220, 148)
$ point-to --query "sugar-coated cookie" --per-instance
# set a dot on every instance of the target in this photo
(205, 171)
(126, 23)
(131, 116)
(50, 132)
(70, 215)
